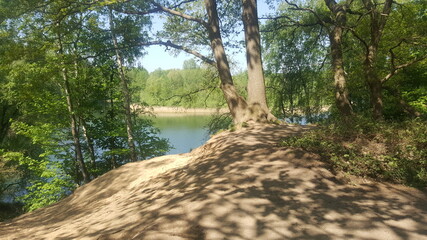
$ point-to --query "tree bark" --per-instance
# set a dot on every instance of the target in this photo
(236, 104)
(408, 109)
(7, 112)
(111, 116)
(125, 92)
(73, 118)
(378, 21)
(75, 130)
(375, 86)
(335, 37)
(241, 111)
(90, 145)
(256, 81)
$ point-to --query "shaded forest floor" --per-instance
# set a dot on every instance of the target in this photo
(239, 185)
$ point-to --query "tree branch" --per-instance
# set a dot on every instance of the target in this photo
(392, 53)
(183, 48)
(296, 7)
(292, 21)
(162, 43)
(181, 3)
(149, 11)
(188, 94)
(180, 14)
(385, 13)
(156, 9)
(360, 39)
(405, 106)
(396, 69)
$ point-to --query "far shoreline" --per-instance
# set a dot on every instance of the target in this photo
(164, 110)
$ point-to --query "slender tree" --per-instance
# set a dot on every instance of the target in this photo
(125, 89)
(71, 110)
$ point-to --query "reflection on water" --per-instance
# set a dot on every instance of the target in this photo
(185, 132)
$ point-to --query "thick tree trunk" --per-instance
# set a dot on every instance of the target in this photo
(125, 92)
(371, 76)
(256, 82)
(341, 92)
(375, 88)
(241, 112)
(335, 36)
(378, 21)
(236, 104)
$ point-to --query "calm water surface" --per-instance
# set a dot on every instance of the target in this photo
(185, 132)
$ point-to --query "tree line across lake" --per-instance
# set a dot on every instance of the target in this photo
(68, 79)
(193, 86)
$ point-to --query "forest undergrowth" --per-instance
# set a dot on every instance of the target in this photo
(384, 150)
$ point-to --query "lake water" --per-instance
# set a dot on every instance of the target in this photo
(185, 132)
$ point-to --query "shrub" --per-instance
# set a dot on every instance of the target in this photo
(388, 151)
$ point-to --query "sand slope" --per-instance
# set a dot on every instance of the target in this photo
(240, 185)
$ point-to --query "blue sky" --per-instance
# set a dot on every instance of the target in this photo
(157, 57)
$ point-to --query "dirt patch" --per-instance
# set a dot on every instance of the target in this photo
(239, 185)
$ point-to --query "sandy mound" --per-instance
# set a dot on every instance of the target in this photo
(239, 185)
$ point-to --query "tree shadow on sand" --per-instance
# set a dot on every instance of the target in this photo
(239, 185)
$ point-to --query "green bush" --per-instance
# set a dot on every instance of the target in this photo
(388, 151)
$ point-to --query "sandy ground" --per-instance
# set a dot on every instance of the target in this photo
(240, 185)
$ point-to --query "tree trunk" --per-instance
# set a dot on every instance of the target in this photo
(241, 112)
(73, 118)
(256, 82)
(375, 87)
(112, 138)
(7, 112)
(371, 76)
(125, 92)
(335, 37)
(377, 24)
(341, 92)
(74, 129)
(87, 137)
(408, 109)
(236, 104)
(90, 146)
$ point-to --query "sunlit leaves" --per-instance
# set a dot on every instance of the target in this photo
(38, 47)
(296, 64)
(193, 87)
